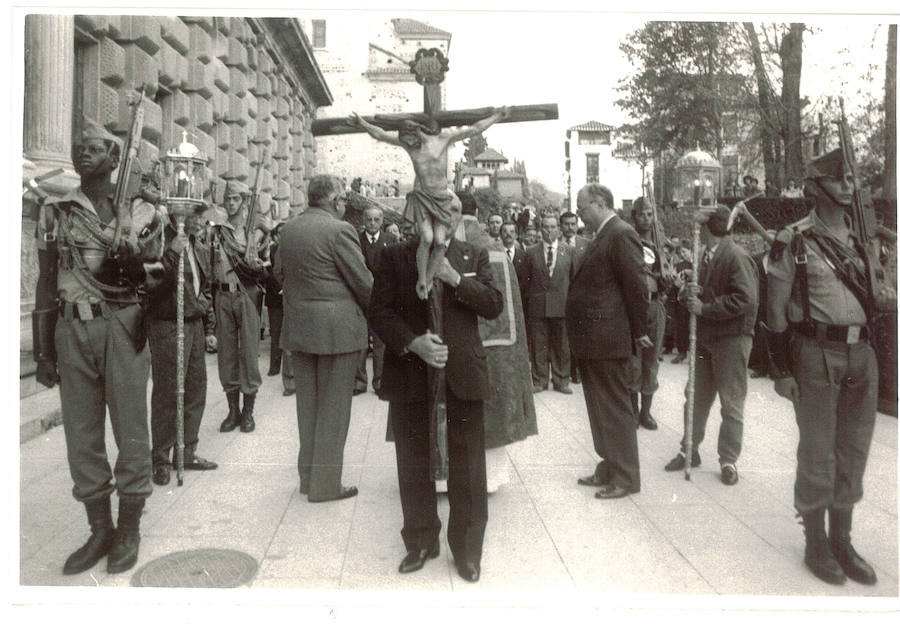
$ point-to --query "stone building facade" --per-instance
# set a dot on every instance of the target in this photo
(238, 86)
(364, 63)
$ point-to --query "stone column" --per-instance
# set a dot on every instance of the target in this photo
(49, 73)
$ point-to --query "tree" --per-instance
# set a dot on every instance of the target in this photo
(542, 197)
(474, 145)
(890, 117)
(684, 78)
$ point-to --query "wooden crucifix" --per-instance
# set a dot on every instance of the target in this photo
(430, 163)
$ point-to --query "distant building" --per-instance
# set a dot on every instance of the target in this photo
(489, 171)
(365, 64)
(595, 154)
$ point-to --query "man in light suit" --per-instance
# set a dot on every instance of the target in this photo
(326, 288)
(608, 285)
(550, 265)
(372, 239)
(401, 320)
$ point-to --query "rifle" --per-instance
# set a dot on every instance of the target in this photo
(655, 236)
(252, 202)
(126, 165)
(862, 216)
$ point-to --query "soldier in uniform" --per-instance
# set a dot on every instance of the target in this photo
(646, 361)
(819, 300)
(237, 294)
(89, 337)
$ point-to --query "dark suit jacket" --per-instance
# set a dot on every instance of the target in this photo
(546, 295)
(398, 316)
(608, 285)
(730, 293)
(581, 245)
(370, 251)
(519, 264)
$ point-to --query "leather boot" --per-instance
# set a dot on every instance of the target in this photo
(102, 533)
(645, 419)
(839, 522)
(124, 551)
(233, 419)
(247, 423)
(818, 557)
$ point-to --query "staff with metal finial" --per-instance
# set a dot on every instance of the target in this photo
(183, 186)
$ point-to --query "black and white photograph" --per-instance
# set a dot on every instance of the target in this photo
(560, 310)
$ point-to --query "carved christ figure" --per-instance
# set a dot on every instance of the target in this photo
(431, 205)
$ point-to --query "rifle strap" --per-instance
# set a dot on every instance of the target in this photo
(798, 251)
(844, 270)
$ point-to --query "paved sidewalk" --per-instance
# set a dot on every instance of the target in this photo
(545, 534)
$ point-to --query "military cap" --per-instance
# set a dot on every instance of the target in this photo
(639, 205)
(830, 164)
(236, 186)
(95, 131)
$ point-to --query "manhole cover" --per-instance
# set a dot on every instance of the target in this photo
(200, 568)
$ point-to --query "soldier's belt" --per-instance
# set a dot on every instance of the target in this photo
(836, 333)
(85, 311)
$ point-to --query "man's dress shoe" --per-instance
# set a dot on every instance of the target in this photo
(612, 491)
(563, 389)
(729, 474)
(648, 422)
(198, 463)
(415, 559)
(469, 571)
(678, 462)
(161, 474)
(592, 480)
(288, 392)
(345, 493)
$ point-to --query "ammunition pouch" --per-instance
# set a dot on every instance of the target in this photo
(778, 346)
(43, 331)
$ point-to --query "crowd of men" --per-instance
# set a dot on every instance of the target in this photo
(595, 305)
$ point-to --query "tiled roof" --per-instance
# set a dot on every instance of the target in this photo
(490, 154)
(592, 126)
(405, 26)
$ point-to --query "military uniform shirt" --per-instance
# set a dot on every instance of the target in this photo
(830, 301)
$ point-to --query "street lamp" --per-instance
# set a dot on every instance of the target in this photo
(697, 178)
(183, 184)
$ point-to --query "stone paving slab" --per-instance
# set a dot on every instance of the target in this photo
(547, 537)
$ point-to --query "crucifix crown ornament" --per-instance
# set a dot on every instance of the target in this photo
(429, 66)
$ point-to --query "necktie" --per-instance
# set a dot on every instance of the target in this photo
(372, 240)
(195, 276)
(509, 254)
(550, 258)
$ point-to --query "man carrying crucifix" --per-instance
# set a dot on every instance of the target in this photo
(431, 205)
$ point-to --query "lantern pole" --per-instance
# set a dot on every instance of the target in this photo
(692, 345)
(180, 203)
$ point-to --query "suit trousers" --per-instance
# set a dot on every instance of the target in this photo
(362, 378)
(612, 419)
(836, 415)
(162, 399)
(276, 316)
(237, 333)
(324, 394)
(99, 368)
(646, 361)
(466, 485)
(721, 367)
(550, 355)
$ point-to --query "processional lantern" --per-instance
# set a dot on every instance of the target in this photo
(696, 192)
(183, 183)
(697, 177)
(184, 178)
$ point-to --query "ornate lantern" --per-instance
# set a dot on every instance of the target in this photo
(697, 178)
(184, 178)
